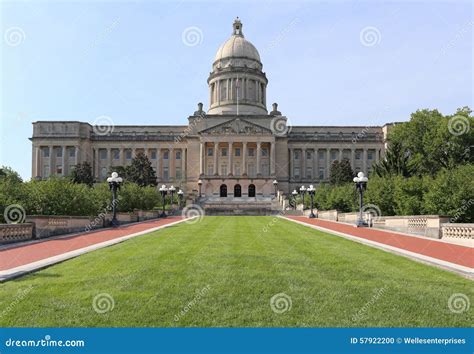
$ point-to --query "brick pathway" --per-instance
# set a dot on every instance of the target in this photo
(16, 256)
(457, 254)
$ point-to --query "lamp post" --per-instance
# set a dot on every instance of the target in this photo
(114, 184)
(294, 194)
(163, 191)
(200, 185)
(360, 183)
(180, 198)
(172, 190)
(275, 185)
(311, 192)
(303, 192)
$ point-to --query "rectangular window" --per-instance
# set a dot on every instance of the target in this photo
(357, 155)
(153, 155)
(59, 152)
(237, 170)
(264, 152)
(128, 154)
(178, 172)
(252, 170)
(210, 170)
(166, 174)
(333, 155)
(297, 172)
(321, 155)
(370, 155)
(308, 155)
(309, 172)
(46, 171)
(72, 152)
(46, 152)
(224, 170)
(59, 169)
(237, 151)
(296, 155)
(321, 173)
(224, 152)
(178, 155)
(116, 154)
(166, 155)
(251, 151)
(103, 154)
(210, 151)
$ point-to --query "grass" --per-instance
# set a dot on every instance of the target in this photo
(223, 271)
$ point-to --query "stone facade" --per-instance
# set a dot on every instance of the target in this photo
(236, 147)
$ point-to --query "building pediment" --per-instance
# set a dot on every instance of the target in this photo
(237, 126)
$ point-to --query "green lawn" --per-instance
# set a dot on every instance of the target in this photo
(227, 269)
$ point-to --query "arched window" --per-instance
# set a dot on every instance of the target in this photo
(252, 190)
(237, 191)
(223, 191)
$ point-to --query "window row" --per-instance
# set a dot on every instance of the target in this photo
(238, 152)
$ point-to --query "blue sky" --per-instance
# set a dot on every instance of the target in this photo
(328, 63)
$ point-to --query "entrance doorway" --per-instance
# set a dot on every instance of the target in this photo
(252, 190)
(237, 191)
(223, 191)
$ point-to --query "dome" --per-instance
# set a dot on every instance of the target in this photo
(237, 46)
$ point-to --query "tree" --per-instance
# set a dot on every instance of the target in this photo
(341, 172)
(396, 162)
(141, 171)
(82, 173)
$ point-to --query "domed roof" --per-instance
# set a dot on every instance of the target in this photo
(237, 46)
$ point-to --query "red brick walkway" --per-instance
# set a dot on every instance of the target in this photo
(457, 254)
(29, 253)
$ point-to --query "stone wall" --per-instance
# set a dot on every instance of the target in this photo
(47, 226)
(15, 232)
(457, 231)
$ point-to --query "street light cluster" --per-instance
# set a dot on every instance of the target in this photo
(172, 190)
(360, 183)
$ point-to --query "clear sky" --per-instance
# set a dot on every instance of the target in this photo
(147, 62)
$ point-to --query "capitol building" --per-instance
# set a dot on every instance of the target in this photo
(236, 148)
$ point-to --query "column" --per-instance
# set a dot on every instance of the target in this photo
(183, 163)
(109, 157)
(122, 156)
(51, 160)
(216, 153)
(76, 155)
(259, 153)
(63, 159)
(328, 163)
(229, 157)
(316, 163)
(201, 158)
(134, 152)
(353, 159)
(218, 91)
(340, 154)
(364, 162)
(158, 157)
(36, 171)
(228, 90)
(96, 163)
(244, 159)
(291, 164)
(272, 158)
(172, 164)
(303, 164)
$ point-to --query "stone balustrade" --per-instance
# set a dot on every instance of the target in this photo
(15, 232)
(457, 231)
